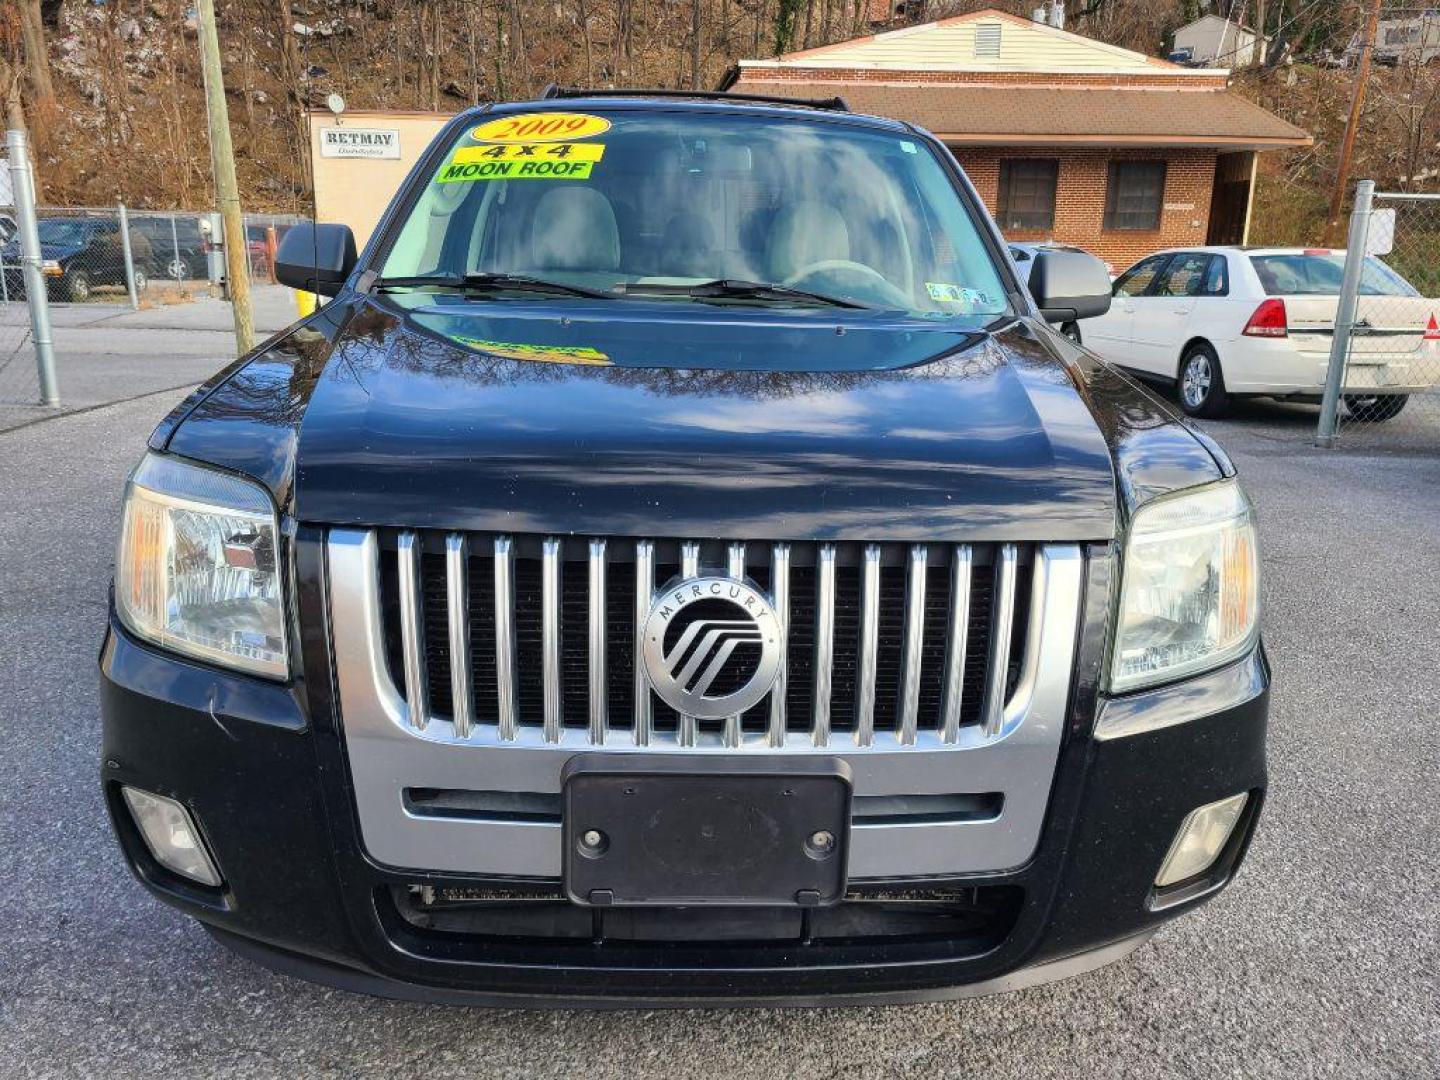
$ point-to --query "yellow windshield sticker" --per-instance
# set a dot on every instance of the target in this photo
(547, 168)
(544, 354)
(939, 290)
(541, 127)
(529, 152)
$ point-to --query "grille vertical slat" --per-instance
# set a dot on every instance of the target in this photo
(884, 643)
(955, 645)
(644, 594)
(913, 645)
(1003, 626)
(780, 597)
(457, 588)
(689, 567)
(597, 635)
(735, 567)
(824, 643)
(412, 631)
(866, 660)
(507, 701)
(550, 638)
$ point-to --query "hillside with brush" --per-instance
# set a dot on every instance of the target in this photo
(119, 113)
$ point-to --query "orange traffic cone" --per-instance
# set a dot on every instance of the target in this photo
(1430, 341)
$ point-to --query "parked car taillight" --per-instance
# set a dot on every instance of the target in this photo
(1269, 320)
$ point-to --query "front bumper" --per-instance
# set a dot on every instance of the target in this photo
(263, 768)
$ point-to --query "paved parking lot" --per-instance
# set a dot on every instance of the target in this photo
(1321, 961)
(105, 352)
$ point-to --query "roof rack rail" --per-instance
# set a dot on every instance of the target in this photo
(835, 104)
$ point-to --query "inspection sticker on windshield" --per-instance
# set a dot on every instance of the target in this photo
(544, 354)
(956, 294)
(541, 127)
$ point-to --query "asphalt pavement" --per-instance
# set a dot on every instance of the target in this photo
(1320, 961)
(106, 352)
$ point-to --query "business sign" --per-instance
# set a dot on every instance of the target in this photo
(348, 142)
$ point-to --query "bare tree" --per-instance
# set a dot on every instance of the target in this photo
(694, 44)
(37, 54)
(584, 18)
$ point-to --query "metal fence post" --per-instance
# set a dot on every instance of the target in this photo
(215, 262)
(23, 183)
(129, 259)
(1345, 312)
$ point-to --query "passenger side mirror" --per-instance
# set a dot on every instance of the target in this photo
(316, 258)
(1069, 285)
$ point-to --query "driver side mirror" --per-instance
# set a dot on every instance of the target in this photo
(316, 258)
(1069, 285)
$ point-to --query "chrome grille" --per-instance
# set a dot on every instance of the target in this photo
(541, 633)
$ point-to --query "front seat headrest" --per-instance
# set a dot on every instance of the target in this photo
(574, 229)
(805, 233)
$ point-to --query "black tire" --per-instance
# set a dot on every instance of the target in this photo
(77, 286)
(1072, 331)
(1374, 408)
(142, 280)
(1200, 384)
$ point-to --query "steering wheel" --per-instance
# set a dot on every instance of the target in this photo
(868, 283)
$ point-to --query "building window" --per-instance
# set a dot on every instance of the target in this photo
(1135, 194)
(1027, 193)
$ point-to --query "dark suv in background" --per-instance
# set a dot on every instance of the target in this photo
(78, 254)
(178, 248)
(682, 564)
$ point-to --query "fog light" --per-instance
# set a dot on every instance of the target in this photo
(171, 835)
(1202, 836)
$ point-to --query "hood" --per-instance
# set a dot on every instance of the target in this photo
(11, 250)
(722, 423)
(621, 419)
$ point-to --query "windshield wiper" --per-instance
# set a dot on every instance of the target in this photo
(488, 282)
(732, 289)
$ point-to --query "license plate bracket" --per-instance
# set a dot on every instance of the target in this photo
(698, 830)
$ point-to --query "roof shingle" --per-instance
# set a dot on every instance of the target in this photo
(1027, 115)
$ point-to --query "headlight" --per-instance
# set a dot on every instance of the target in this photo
(1188, 598)
(197, 570)
(51, 268)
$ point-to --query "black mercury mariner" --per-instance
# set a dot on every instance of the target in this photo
(681, 564)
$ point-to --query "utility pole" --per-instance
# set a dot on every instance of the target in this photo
(1357, 105)
(227, 189)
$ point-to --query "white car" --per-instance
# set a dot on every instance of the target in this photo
(1221, 322)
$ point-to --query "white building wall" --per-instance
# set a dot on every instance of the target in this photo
(1213, 40)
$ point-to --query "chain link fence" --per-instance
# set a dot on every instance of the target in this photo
(111, 258)
(19, 383)
(27, 363)
(1386, 347)
(145, 257)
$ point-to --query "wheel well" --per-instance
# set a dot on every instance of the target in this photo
(1185, 351)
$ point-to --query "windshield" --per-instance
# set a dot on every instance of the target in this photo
(643, 204)
(1316, 274)
(61, 231)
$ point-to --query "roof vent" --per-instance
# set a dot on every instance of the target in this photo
(987, 39)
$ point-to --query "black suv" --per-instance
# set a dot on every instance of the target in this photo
(682, 564)
(179, 250)
(77, 255)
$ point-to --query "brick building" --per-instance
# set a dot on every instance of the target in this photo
(1066, 138)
